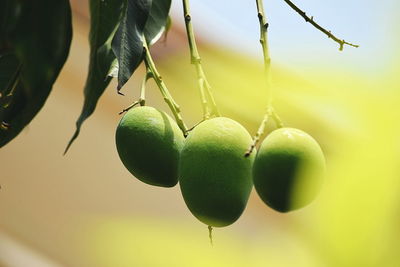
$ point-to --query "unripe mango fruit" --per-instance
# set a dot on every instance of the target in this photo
(288, 170)
(148, 143)
(214, 176)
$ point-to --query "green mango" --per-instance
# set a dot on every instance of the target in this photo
(288, 170)
(148, 143)
(214, 175)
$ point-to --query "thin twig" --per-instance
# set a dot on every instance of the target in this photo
(142, 99)
(316, 25)
(129, 107)
(194, 126)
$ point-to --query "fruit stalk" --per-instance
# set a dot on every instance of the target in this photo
(267, 71)
(151, 67)
(258, 135)
(142, 98)
(276, 118)
(264, 43)
(210, 234)
(204, 86)
(270, 114)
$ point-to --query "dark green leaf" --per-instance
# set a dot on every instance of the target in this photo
(157, 21)
(104, 19)
(127, 43)
(9, 66)
(39, 36)
(8, 15)
(9, 77)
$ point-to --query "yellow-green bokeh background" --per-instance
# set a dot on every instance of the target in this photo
(86, 209)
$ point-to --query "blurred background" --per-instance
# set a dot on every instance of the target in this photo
(86, 209)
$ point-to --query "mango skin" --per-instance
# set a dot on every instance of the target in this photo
(289, 162)
(149, 143)
(214, 176)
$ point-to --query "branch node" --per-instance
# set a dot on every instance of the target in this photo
(195, 60)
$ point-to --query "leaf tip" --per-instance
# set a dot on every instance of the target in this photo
(119, 87)
(72, 140)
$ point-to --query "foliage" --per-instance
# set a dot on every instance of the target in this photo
(26, 77)
(110, 38)
(34, 44)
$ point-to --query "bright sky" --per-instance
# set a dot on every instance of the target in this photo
(234, 23)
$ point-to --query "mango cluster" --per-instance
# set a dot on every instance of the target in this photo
(214, 175)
